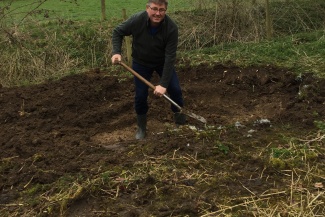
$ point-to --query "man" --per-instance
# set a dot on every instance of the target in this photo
(154, 45)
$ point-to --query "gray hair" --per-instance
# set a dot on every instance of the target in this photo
(159, 2)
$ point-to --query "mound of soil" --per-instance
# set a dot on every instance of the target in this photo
(84, 124)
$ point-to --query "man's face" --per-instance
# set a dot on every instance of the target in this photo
(156, 13)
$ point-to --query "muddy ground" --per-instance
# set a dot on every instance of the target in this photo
(68, 147)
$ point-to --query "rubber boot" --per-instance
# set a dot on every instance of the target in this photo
(179, 118)
(142, 126)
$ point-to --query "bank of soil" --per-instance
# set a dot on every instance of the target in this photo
(79, 132)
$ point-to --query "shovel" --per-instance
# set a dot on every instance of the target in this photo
(188, 113)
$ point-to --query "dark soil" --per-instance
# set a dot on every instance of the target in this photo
(77, 128)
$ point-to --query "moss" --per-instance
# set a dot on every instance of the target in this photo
(278, 163)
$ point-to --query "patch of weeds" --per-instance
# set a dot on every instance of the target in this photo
(64, 183)
(33, 190)
(106, 177)
(320, 125)
(209, 134)
(31, 194)
(222, 147)
(296, 155)
(64, 191)
(33, 201)
(281, 153)
(278, 163)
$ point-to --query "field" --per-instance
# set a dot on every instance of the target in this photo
(88, 9)
(68, 147)
(68, 143)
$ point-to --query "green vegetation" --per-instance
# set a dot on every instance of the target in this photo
(320, 125)
(81, 10)
(68, 36)
(295, 155)
(303, 52)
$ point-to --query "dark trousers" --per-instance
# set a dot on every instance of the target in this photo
(141, 89)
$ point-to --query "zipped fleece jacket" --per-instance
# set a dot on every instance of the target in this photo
(150, 50)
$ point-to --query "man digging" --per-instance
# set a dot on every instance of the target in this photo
(154, 45)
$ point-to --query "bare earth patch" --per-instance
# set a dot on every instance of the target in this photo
(68, 147)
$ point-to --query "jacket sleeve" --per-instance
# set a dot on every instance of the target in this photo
(123, 29)
(170, 57)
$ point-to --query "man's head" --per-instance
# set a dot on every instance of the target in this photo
(156, 10)
(158, 2)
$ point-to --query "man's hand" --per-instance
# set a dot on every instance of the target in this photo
(116, 58)
(159, 91)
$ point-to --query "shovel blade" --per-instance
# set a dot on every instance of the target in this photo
(197, 117)
(188, 113)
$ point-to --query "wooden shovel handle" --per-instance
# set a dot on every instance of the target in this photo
(148, 83)
(137, 75)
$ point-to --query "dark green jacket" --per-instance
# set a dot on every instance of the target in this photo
(147, 49)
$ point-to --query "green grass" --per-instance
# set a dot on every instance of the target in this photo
(85, 9)
(303, 52)
(73, 38)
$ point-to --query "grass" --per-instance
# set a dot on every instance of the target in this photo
(79, 10)
(301, 53)
(84, 9)
(51, 48)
